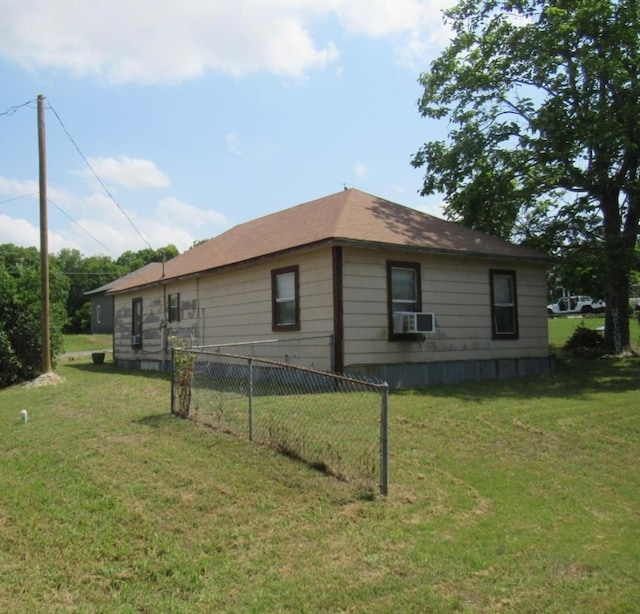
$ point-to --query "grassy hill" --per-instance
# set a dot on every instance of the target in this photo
(513, 496)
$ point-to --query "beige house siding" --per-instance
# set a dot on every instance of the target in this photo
(236, 304)
(457, 291)
(157, 331)
(226, 307)
(152, 315)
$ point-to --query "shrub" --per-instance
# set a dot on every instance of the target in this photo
(585, 342)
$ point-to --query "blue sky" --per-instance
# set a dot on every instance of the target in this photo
(203, 114)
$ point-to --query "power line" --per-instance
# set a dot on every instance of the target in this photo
(71, 139)
(81, 228)
(115, 258)
(33, 104)
(10, 200)
(14, 109)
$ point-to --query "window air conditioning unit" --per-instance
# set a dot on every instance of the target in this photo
(410, 322)
(136, 340)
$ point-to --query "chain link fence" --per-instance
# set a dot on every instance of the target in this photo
(334, 423)
(314, 352)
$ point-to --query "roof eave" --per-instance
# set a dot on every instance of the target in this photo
(542, 259)
(224, 267)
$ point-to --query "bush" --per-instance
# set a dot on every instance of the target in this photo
(585, 342)
(9, 363)
(20, 324)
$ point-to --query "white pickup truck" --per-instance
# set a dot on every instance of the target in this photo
(575, 304)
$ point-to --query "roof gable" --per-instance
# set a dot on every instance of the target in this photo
(349, 216)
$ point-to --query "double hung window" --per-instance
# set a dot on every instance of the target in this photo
(136, 322)
(174, 308)
(403, 291)
(504, 307)
(285, 299)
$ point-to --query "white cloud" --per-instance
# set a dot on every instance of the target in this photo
(143, 42)
(93, 224)
(26, 193)
(16, 188)
(106, 229)
(18, 231)
(128, 172)
(381, 17)
(170, 210)
(361, 170)
(234, 144)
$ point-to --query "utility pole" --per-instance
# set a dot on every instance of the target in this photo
(44, 240)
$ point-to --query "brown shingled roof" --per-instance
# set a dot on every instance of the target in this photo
(140, 277)
(347, 217)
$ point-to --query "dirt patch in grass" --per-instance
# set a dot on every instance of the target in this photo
(46, 379)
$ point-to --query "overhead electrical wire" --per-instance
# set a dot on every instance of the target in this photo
(81, 228)
(14, 109)
(10, 200)
(33, 104)
(104, 187)
(115, 258)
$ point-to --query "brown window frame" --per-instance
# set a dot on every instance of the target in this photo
(173, 312)
(136, 321)
(496, 333)
(275, 273)
(414, 266)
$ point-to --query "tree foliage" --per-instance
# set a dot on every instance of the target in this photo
(71, 275)
(20, 313)
(136, 260)
(543, 98)
(84, 274)
(88, 273)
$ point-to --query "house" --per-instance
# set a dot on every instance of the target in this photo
(101, 310)
(404, 296)
(102, 302)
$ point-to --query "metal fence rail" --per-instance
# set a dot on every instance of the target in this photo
(334, 423)
(315, 352)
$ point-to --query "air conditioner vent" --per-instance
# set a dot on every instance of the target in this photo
(411, 322)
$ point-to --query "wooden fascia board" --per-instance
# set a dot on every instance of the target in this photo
(344, 242)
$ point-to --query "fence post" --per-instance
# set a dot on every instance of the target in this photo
(384, 441)
(173, 380)
(250, 399)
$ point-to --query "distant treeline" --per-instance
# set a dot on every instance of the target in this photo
(71, 275)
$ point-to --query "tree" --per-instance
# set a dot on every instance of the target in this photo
(89, 273)
(20, 310)
(135, 260)
(543, 97)
(84, 274)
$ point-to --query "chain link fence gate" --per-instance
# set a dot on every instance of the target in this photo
(334, 423)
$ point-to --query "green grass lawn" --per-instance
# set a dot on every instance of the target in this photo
(85, 343)
(513, 496)
(560, 329)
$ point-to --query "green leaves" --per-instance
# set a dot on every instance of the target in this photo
(20, 314)
(542, 99)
